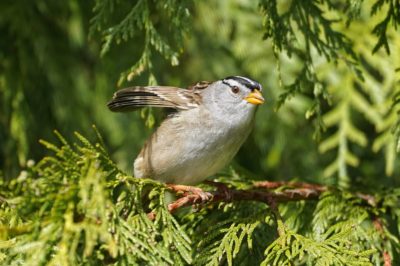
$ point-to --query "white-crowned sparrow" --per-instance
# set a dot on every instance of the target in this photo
(211, 122)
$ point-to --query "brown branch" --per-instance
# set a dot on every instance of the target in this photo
(189, 197)
(379, 227)
(387, 259)
(272, 198)
(261, 192)
(368, 198)
(277, 184)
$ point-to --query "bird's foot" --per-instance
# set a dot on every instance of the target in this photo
(221, 188)
(203, 195)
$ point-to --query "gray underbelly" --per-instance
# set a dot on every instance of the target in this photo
(191, 156)
(197, 162)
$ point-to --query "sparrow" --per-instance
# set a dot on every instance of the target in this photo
(210, 122)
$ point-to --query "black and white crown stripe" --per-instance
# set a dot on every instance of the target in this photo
(239, 80)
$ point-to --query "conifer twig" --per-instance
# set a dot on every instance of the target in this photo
(277, 184)
(227, 195)
(271, 198)
(261, 192)
(387, 259)
(379, 227)
(295, 191)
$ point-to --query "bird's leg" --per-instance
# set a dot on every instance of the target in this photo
(203, 195)
(221, 188)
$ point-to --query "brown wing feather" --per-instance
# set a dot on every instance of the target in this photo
(199, 85)
(131, 99)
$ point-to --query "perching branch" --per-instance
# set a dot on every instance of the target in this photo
(269, 197)
(260, 192)
(277, 184)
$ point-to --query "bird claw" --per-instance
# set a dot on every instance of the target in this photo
(204, 195)
(198, 192)
(221, 188)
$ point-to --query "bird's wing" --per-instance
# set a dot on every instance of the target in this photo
(201, 85)
(133, 98)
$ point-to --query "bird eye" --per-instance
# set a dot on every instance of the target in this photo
(235, 89)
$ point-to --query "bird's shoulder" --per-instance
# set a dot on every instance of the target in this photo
(199, 86)
(193, 92)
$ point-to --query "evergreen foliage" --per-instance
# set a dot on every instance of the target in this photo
(138, 21)
(332, 68)
(76, 207)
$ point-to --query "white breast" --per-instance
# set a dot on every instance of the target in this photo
(195, 146)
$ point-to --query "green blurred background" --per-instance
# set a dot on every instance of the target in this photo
(54, 75)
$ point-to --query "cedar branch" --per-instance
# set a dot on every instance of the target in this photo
(271, 198)
(261, 192)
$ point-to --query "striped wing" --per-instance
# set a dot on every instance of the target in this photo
(133, 98)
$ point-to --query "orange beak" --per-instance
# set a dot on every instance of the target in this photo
(255, 97)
